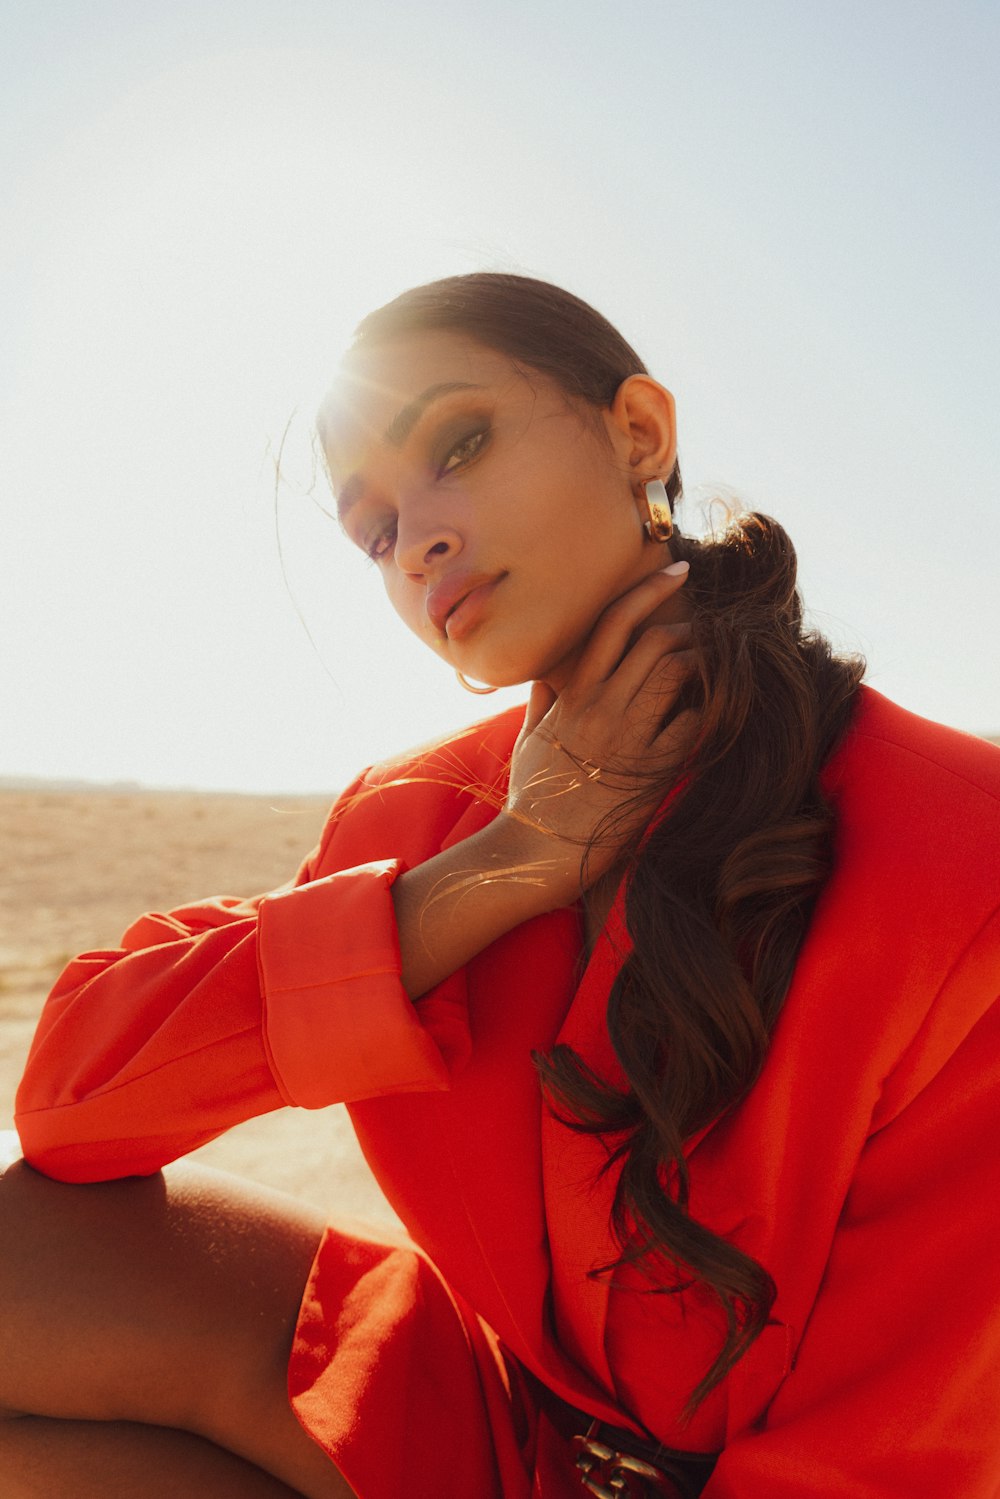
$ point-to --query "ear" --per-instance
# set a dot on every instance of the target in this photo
(643, 427)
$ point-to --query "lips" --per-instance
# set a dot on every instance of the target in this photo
(446, 597)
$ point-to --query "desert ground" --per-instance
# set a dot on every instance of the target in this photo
(80, 864)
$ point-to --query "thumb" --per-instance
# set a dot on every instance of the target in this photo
(540, 700)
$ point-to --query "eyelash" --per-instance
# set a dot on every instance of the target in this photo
(478, 437)
(381, 544)
(372, 553)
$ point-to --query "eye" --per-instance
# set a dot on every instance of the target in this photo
(379, 546)
(464, 450)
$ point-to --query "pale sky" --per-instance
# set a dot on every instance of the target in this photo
(791, 210)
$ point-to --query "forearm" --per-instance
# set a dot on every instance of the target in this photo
(454, 905)
(144, 1052)
(140, 1056)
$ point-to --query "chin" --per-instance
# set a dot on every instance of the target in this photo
(521, 664)
(495, 676)
(483, 667)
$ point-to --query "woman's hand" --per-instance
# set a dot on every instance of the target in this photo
(590, 764)
(587, 772)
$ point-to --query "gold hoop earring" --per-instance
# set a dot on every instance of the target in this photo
(660, 525)
(471, 687)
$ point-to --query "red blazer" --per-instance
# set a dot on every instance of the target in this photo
(862, 1170)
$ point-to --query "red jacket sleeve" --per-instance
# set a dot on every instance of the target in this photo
(895, 1388)
(219, 1011)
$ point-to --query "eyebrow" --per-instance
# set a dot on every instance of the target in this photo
(399, 430)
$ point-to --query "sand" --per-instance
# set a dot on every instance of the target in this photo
(79, 865)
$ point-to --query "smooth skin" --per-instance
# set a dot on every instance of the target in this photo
(147, 1324)
(145, 1336)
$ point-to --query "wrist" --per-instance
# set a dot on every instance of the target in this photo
(452, 906)
(545, 868)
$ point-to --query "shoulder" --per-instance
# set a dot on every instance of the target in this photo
(406, 806)
(906, 935)
(481, 750)
(883, 738)
(898, 776)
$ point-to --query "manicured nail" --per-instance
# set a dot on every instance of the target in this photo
(676, 568)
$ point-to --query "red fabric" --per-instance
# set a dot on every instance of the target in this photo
(861, 1169)
(381, 1332)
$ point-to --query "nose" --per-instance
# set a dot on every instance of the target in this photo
(424, 540)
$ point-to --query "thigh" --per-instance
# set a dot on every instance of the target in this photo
(169, 1300)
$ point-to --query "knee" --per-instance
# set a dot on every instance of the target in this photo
(17, 1186)
(11, 1169)
(10, 1149)
(57, 1283)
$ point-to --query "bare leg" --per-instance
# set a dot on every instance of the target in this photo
(43, 1458)
(145, 1327)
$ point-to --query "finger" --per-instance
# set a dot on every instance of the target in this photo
(680, 736)
(664, 748)
(622, 719)
(610, 637)
(668, 677)
(653, 697)
(622, 622)
(650, 675)
(651, 646)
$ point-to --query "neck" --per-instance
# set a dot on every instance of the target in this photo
(674, 611)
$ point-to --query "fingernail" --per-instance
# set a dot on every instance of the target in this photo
(676, 568)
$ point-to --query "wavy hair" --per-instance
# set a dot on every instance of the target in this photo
(720, 890)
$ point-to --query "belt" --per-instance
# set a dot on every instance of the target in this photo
(616, 1464)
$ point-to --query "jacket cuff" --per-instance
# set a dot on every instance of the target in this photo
(338, 1024)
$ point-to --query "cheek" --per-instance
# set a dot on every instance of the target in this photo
(588, 504)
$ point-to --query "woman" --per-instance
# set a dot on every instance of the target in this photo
(706, 1156)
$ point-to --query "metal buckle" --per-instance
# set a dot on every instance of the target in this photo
(610, 1474)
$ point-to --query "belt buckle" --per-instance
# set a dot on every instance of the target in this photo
(610, 1474)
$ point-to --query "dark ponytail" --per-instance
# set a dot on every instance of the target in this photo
(717, 904)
